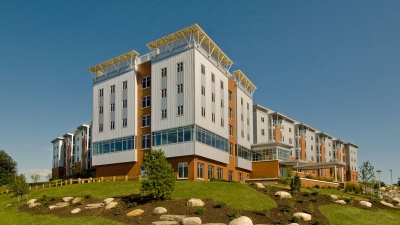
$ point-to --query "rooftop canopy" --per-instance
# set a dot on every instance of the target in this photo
(244, 80)
(113, 62)
(317, 166)
(193, 30)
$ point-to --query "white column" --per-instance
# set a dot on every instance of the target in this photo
(335, 174)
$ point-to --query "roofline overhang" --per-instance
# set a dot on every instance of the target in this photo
(57, 139)
(324, 165)
(271, 144)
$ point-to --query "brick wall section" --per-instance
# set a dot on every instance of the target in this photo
(265, 169)
(57, 173)
(120, 169)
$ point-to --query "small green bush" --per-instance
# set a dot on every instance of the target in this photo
(306, 194)
(317, 186)
(296, 184)
(219, 205)
(314, 193)
(294, 220)
(313, 200)
(200, 211)
(285, 209)
(317, 222)
(300, 201)
(132, 205)
(86, 196)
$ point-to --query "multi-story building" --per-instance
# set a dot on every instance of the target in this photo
(72, 152)
(181, 98)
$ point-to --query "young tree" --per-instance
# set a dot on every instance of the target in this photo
(35, 178)
(48, 176)
(296, 184)
(8, 168)
(366, 173)
(19, 186)
(285, 179)
(160, 180)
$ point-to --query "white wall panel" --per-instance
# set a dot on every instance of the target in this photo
(248, 129)
(211, 153)
(179, 149)
(115, 157)
(243, 163)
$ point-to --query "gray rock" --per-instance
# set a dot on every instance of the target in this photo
(283, 194)
(214, 223)
(334, 197)
(195, 202)
(396, 200)
(135, 212)
(191, 221)
(160, 210)
(107, 201)
(31, 201)
(168, 217)
(341, 202)
(52, 207)
(32, 205)
(76, 210)
(67, 199)
(76, 200)
(387, 204)
(94, 206)
(260, 185)
(303, 216)
(365, 203)
(62, 204)
(111, 205)
(243, 220)
(164, 223)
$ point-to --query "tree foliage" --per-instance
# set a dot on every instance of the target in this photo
(296, 184)
(159, 183)
(19, 186)
(35, 178)
(286, 178)
(8, 168)
(366, 173)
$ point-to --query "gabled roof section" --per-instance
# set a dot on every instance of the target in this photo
(113, 62)
(193, 31)
(244, 80)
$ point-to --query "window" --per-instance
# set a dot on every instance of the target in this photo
(262, 119)
(213, 77)
(230, 130)
(112, 89)
(290, 140)
(262, 132)
(230, 112)
(163, 114)
(240, 177)
(145, 82)
(112, 125)
(230, 175)
(312, 158)
(241, 117)
(163, 72)
(219, 173)
(146, 101)
(125, 85)
(200, 170)
(203, 90)
(124, 103)
(312, 138)
(112, 107)
(241, 101)
(222, 103)
(163, 93)
(242, 133)
(290, 129)
(146, 120)
(210, 172)
(180, 88)
(248, 106)
(203, 112)
(212, 97)
(146, 141)
(179, 67)
(183, 170)
(230, 148)
(230, 96)
(312, 147)
(124, 122)
(101, 110)
(222, 122)
(101, 93)
(213, 117)
(222, 84)
(180, 110)
(203, 69)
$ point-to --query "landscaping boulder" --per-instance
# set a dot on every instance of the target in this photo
(194, 202)
(214, 224)
(62, 204)
(67, 199)
(111, 205)
(159, 210)
(293, 224)
(365, 203)
(191, 221)
(341, 202)
(303, 216)
(283, 194)
(74, 211)
(382, 189)
(107, 201)
(334, 197)
(387, 204)
(164, 223)
(32, 205)
(168, 217)
(76, 200)
(31, 201)
(396, 200)
(260, 185)
(135, 212)
(52, 207)
(94, 206)
(243, 220)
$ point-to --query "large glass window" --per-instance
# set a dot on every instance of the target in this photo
(146, 141)
(219, 173)
(145, 82)
(243, 152)
(145, 120)
(230, 175)
(146, 101)
(200, 170)
(183, 170)
(113, 145)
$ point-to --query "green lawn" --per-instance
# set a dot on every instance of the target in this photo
(342, 215)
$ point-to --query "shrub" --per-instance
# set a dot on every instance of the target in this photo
(19, 186)
(300, 201)
(314, 193)
(296, 184)
(219, 205)
(306, 194)
(313, 200)
(160, 180)
(200, 211)
(285, 209)
(86, 196)
(294, 220)
(317, 222)
(132, 205)
(233, 215)
(317, 186)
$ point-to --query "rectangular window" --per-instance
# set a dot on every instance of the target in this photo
(230, 130)
(230, 112)
(163, 114)
(124, 122)
(213, 77)
(222, 84)
(230, 96)
(290, 129)
(248, 106)
(183, 170)
(146, 120)
(146, 101)
(222, 103)
(101, 110)
(230, 175)
(163, 72)
(240, 177)
(262, 132)
(210, 172)
(146, 141)
(124, 103)
(100, 127)
(101, 93)
(262, 119)
(242, 134)
(200, 170)
(180, 88)
(112, 107)
(213, 117)
(203, 112)
(112, 125)
(222, 122)
(179, 67)
(145, 82)
(241, 101)
(219, 173)
(212, 97)
(163, 93)
(112, 89)
(230, 148)
(241, 117)
(203, 69)
(203, 90)
(180, 110)
(125, 85)
(290, 141)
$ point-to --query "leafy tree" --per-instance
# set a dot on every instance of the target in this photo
(8, 168)
(35, 178)
(366, 172)
(49, 176)
(160, 180)
(285, 179)
(296, 184)
(19, 186)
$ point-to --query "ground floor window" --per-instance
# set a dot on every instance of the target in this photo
(210, 172)
(230, 175)
(183, 170)
(219, 173)
(200, 170)
(240, 177)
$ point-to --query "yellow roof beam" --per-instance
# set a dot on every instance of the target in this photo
(244, 80)
(112, 62)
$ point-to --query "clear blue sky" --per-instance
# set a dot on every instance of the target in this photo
(334, 65)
